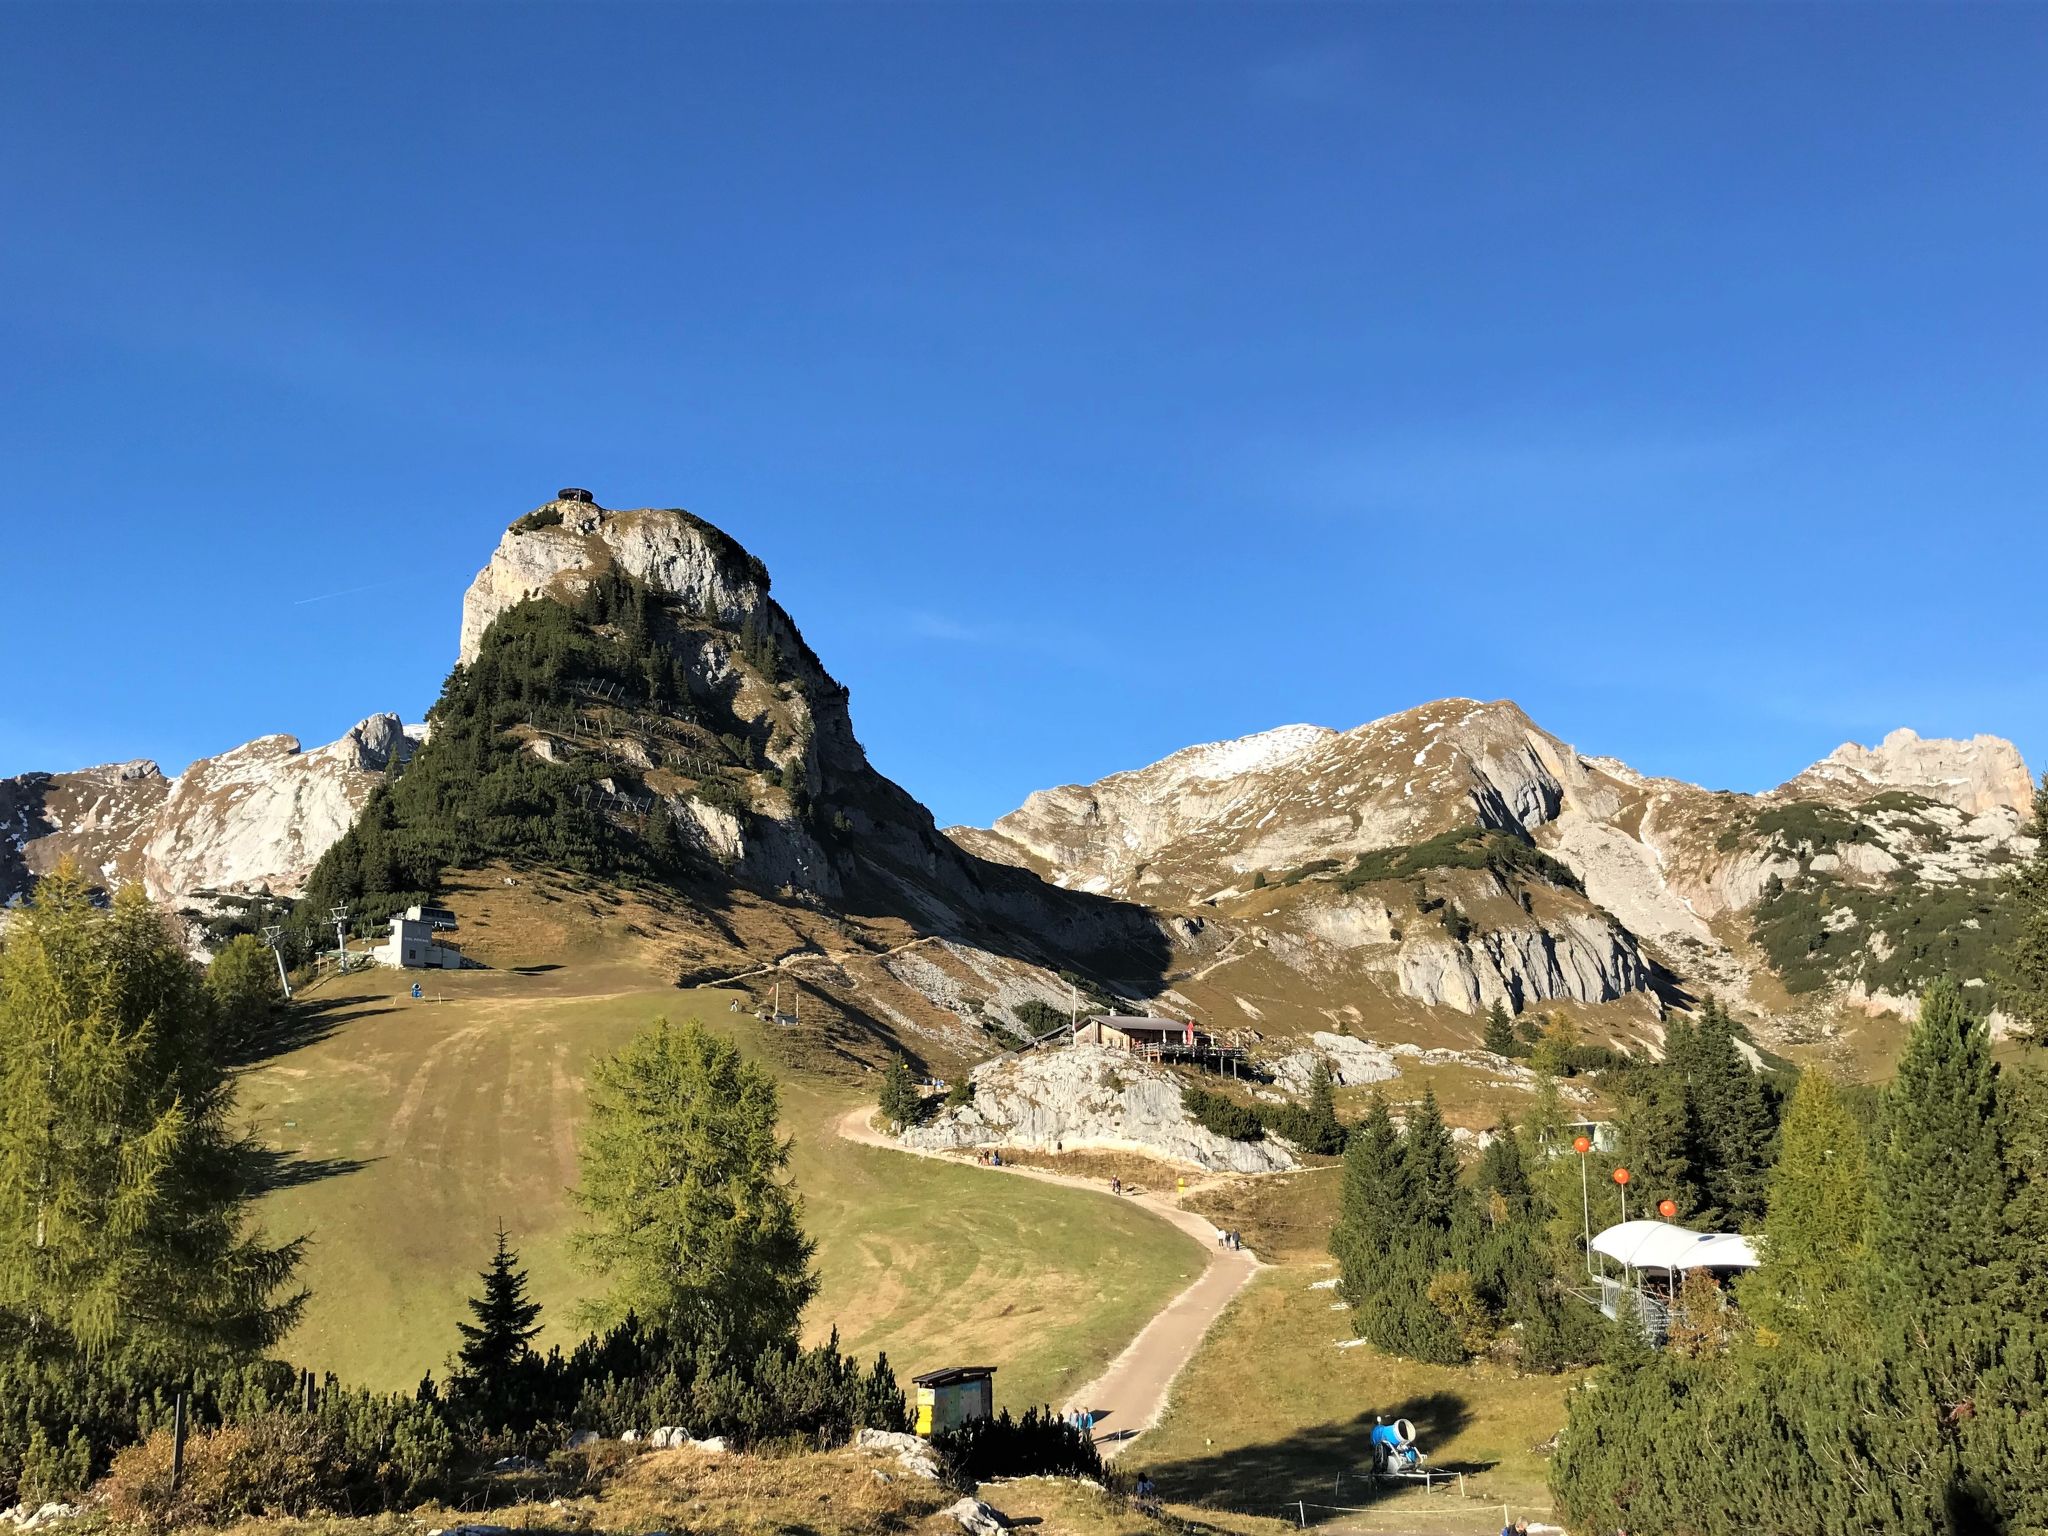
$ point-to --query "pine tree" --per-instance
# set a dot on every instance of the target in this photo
(1502, 1172)
(1730, 1117)
(1373, 1202)
(1322, 1132)
(1940, 1188)
(2023, 992)
(901, 1104)
(1656, 1146)
(499, 1342)
(1430, 1160)
(1500, 1032)
(689, 1216)
(125, 1192)
(1808, 1292)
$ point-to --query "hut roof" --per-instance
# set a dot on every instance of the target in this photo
(951, 1374)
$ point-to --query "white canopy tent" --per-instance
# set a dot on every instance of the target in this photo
(1658, 1245)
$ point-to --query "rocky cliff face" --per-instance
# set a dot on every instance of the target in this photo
(1086, 1096)
(812, 818)
(255, 818)
(1676, 886)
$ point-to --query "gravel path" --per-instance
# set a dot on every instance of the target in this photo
(1129, 1396)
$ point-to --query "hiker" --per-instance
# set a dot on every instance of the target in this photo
(1147, 1494)
(1116, 1185)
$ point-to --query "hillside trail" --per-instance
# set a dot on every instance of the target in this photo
(1130, 1395)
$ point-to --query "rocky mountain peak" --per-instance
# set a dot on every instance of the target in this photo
(1982, 774)
(555, 550)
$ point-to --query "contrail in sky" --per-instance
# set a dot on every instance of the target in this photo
(375, 586)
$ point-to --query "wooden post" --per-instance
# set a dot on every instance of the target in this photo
(177, 1441)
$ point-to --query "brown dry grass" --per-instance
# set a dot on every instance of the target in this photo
(1282, 1217)
(840, 1493)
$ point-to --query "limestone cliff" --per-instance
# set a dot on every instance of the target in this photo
(254, 818)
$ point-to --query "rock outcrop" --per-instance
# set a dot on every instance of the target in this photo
(1985, 773)
(255, 818)
(1089, 1096)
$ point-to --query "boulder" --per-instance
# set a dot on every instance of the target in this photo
(915, 1456)
(977, 1518)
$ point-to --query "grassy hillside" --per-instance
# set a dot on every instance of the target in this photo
(1271, 1411)
(408, 1129)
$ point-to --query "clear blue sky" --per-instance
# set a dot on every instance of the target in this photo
(1095, 380)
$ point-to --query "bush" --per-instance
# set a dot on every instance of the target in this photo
(1038, 1445)
(1038, 1017)
(1507, 854)
(1223, 1116)
(278, 1464)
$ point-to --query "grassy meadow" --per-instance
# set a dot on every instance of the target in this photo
(406, 1130)
(1271, 1411)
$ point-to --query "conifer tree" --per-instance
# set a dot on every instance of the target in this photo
(1502, 1172)
(2024, 989)
(1940, 1189)
(1731, 1117)
(1656, 1146)
(500, 1342)
(243, 983)
(125, 1191)
(901, 1104)
(1373, 1202)
(689, 1216)
(1429, 1159)
(1500, 1032)
(1808, 1292)
(1322, 1131)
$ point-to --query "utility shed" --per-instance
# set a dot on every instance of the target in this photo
(955, 1396)
(414, 944)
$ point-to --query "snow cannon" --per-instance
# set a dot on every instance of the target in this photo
(1393, 1447)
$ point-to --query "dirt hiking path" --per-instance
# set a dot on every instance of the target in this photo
(1129, 1396)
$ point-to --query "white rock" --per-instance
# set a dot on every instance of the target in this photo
(915, 1456)
(1090, 1096)
(977, 1518)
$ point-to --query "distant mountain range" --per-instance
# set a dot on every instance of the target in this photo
(1395, 879)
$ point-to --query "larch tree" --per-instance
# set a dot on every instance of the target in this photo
(1816, 1221)
(125, 1191)
(688, 1213)
(243, 982)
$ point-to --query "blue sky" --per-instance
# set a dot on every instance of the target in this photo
(1095, 380)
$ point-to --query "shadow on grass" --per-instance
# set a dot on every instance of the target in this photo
(308, 1023)
(276, 1169)
(1259, 1479)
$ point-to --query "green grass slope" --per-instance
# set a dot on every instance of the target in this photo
(411, 1129)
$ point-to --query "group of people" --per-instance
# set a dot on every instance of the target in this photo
(1082, 1419)
(1229, 1240)
(993, 1158)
